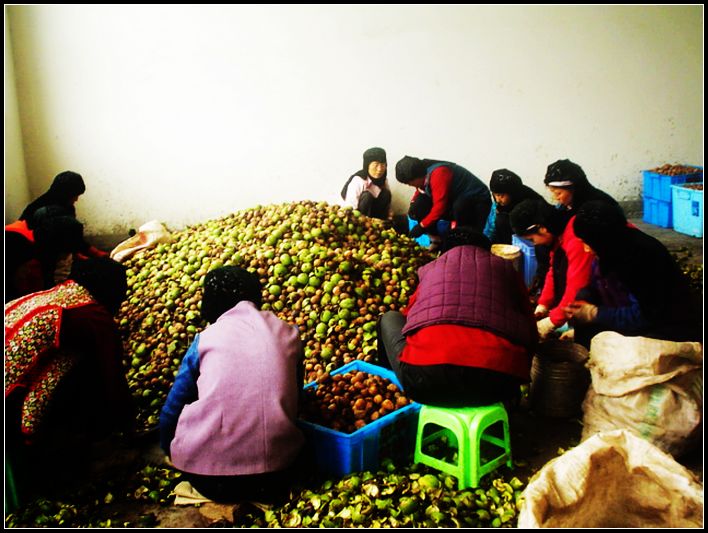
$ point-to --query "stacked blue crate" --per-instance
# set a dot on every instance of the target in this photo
(658, 196)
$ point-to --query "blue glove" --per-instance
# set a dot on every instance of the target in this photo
(416, 231)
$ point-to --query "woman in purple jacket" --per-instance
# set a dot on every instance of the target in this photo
(229, 419)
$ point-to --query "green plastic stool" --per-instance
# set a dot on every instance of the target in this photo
(470, 427)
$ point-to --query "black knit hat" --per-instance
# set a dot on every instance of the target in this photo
(374, 154)
(564, 174)
(504, 182)
(67, 185)
(529, 215)
(225, 287)
(598, 223)
(465, 236)
(104, 278)
(410, 168)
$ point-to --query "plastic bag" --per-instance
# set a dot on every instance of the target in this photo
(148, 235)
(614, 479)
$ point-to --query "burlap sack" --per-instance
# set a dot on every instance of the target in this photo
(613, 479)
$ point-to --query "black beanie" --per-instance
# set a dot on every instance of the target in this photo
(374, 154)
(225, 287)
(504, 182)
(67, 185)
(529, 214)
(599, 223)
(104, 278)
(564, 174)
(410, 168)
(465, 236)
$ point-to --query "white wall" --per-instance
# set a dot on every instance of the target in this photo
(16, 189)
(183, 113)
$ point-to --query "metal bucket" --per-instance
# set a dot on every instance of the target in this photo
(559, 379)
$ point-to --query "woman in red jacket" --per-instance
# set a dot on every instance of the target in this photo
(570, 262)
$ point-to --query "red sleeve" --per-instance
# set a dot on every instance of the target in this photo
(578, 275)
(440, 182)
(549, 290)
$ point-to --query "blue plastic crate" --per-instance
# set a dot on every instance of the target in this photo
(687, 210)
(424, 240)
(393, 435)
(529, 265)
(657, 212)
(658, 186)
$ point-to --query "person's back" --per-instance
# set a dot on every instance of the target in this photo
(242, 421)
(469, 330)
(643, 265)
(229, 419)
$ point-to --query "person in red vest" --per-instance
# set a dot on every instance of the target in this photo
(468, 333)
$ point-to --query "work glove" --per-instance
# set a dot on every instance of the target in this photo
(581, 312)
(540, 311)
(545, 328)
(416, 231)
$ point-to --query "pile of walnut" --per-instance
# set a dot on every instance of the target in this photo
(347, 402)
(675, 170)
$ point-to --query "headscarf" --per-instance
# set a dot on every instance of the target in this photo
(225, 287)
(104, 278)
(565, 174)
(530, 214)
(370, 155)
(465, 236)
(410, 168)
(66, 186)
(505, 181)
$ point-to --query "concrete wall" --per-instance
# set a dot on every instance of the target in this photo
(183, 113)
(17, 193)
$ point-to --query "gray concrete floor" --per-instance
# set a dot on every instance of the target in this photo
(673, 240)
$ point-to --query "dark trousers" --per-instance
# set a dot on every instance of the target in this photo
(469, 211)
(269, 487)
(375, 207)
(442, 385)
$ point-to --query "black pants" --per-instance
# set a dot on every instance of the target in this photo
(375, 207)
(269, 487)
(442, 385)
